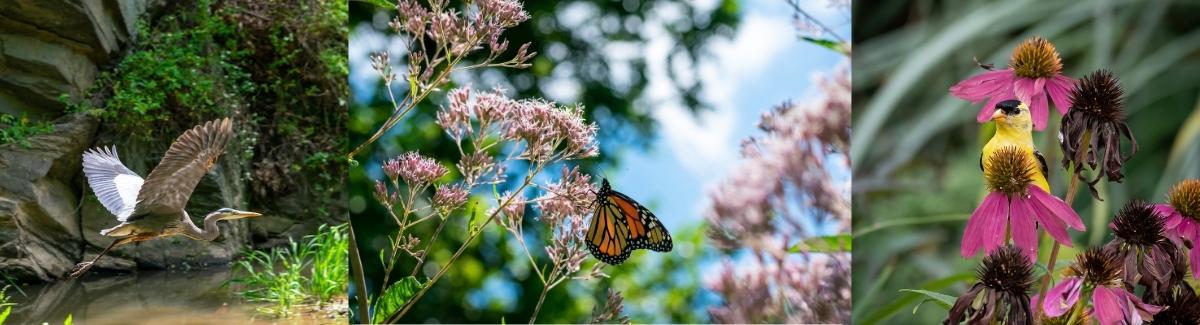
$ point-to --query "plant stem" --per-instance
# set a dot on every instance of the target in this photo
(471, 237)
(1072, 190)
(545, 289)
(360, 280)
(428, 246)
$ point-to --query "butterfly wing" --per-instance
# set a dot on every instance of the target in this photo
(608, 235)
(646, 231)
(621, 225)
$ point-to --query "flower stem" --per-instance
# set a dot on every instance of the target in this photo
(394, 318)
(1072, 189)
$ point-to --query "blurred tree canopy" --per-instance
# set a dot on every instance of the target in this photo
(491, 282)
(916, 147)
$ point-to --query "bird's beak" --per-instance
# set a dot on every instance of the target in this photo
(245, 214)
(998, 115)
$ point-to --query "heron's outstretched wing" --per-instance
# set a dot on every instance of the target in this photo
(114, 184)
(169, 186)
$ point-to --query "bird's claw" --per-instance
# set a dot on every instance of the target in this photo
(79, 269)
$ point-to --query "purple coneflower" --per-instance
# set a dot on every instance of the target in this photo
(1098, 271)
(1017, 203)
(1147, 256)
(1182, 217)
(1002, 294)
(1095, 126)
(1034, 74)
(1181, 307)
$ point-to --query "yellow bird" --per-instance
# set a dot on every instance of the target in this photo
(1014, 127)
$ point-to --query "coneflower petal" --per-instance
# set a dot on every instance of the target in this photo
(978, 87)
(1054, 226)
(1062, 296)
(1024, 232)
(982, 229)
(1059, 88)
(1171, 218)
(1056, 205)
(1040, 110)
(1109, 309)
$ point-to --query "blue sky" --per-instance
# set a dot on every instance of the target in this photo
(764, 65)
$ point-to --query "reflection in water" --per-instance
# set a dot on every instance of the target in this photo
(148, 297)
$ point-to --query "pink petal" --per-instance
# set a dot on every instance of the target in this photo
(1024, 232)
(1040, 110)
(1171, 217)
(1062, 296)
(1194, 255)
(1059, 88)
(1001, 94)
(1142, 310)
(1061, 210)
(1111, 307)
(1054, 226)
(981, 230)
(1024, 89)
(978, 87)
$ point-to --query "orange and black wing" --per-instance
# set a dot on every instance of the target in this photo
(621, 225)
(646, 232)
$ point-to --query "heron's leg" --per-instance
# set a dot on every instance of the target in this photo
(83, 267)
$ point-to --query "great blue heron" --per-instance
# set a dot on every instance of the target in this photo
(154, 207)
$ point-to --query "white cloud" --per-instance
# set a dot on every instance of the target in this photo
(705, 143)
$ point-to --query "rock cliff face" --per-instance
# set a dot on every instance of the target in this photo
(49, 218)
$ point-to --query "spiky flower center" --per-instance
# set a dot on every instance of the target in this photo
(1007, 270)
(1185, 198)
(1035, 58)
(1099, 96)
(1097, 266)
(1008, 170)
(1137, 224)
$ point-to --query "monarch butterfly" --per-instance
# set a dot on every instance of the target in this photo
(621, 225)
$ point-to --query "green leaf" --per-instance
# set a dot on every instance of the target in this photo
(825, 244)
(385, 4)
(67, 321)
(395, 295)
(942, 299)
(827, 43)
(4, 314)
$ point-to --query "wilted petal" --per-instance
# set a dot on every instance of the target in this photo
(985, 229)
(1062, 297)
(1141, 311)
(1111, 307)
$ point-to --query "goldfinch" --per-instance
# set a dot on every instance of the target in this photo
(1014, 127)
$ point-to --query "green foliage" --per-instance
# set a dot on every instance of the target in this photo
(7, 306)
(330, 268)
(180, 73)
(824, 244)
(285, 277)
(396, 295)
(70, 320)
(18, 130)
(942, 299)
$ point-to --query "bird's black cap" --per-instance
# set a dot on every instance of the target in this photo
(1010, 106)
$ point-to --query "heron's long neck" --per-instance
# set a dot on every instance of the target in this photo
(210, 231)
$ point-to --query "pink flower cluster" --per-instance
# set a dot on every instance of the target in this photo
(573, 194)
(414, 169)
(547, 131)
(754, 211)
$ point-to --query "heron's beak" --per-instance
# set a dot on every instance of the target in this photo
(245, 214)
(998, 115)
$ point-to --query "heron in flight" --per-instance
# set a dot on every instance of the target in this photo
(154, 207)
